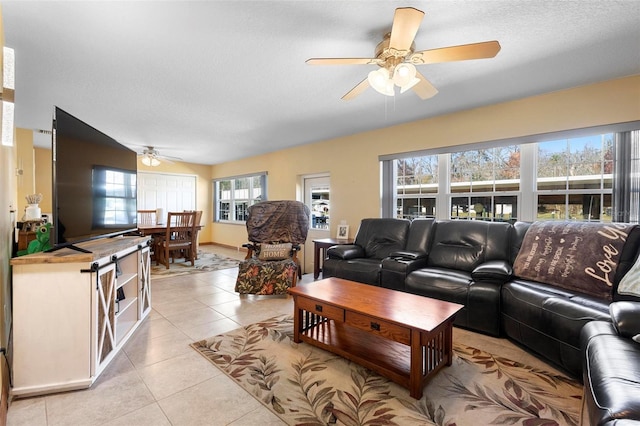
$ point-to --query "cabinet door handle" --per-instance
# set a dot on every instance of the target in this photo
(375, 326)
(319, 308)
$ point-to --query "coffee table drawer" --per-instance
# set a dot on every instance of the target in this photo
(375, 325)
(322, 309)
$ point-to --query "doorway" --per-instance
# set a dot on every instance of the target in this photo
(317, 196)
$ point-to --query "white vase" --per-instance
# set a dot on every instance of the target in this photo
(33, 212)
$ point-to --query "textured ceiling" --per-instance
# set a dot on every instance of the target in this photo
(221, 80)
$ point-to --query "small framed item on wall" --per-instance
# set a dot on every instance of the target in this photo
(343, 232)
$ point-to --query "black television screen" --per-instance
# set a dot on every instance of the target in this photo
(94, 183)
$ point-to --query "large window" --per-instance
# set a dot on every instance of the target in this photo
(416, 185)
(486, 170)
(475, 178)
(573, 177)
(234, 195)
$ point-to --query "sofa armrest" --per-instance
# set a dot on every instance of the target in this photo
(493, 270)
(626, 318)
(345, 252)
(408, 255)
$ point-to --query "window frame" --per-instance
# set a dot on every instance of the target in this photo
(527, 201)
(235, 203)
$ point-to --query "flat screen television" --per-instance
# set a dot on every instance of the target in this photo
(94, 183)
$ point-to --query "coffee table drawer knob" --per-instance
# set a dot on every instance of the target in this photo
(375, 326)
(318, 308)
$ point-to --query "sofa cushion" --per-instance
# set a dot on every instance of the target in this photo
(439, 283)
(419, 239)
(557, 313)
(455, 255)
(382, 236)
(579, 256)
(362, 270)
(382, 246)
(494, 270)
(464, 244)
(345, 251)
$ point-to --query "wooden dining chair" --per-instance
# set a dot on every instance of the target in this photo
(198, 218)
(147, 217)
(179, 238)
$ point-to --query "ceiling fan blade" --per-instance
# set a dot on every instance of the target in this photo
(424, 89)
(360, 87)
(486, 49)
(342, 61)
(406, 22)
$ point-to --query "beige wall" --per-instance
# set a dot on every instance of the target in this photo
(352, 161)
(24, 162)
(36, 167)
(42, 181)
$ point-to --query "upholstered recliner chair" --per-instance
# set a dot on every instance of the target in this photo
(361, 261)
(276, 230)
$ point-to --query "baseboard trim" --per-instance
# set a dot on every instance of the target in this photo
(227, 246)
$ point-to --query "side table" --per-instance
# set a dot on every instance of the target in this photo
(321, 245)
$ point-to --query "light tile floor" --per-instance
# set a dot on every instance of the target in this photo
(159, 380)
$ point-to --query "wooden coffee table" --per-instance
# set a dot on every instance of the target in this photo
(404, 337)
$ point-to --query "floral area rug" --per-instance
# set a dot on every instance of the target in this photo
(305, 385)
(206, 262)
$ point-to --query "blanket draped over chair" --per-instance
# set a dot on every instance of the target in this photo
(272, 226)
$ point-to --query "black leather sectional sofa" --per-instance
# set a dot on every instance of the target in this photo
(485, 267)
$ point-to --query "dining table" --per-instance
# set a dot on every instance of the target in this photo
(157, 229)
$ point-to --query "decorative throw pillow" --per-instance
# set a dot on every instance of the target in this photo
(636, 338)
(630, 283)
(275, 251)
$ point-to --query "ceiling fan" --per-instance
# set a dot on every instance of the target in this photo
(396, 57)
(151, 157)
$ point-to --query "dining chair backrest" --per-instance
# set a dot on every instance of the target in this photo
(147, 217)
(198, 217)
(179, 236)
(180, 226)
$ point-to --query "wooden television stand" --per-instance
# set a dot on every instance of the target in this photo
(73, 312)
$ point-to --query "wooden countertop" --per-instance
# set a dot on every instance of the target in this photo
(99, 248)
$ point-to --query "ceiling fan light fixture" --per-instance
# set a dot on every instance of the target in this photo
(380, 81)
(150, 161)
(404, 74)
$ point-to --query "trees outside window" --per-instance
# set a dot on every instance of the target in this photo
(563, 179)
(416, 186)
(575, 178)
